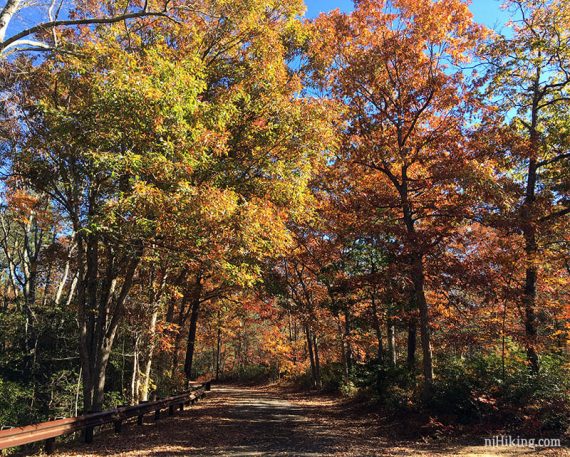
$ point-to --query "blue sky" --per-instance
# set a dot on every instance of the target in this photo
(485, 11)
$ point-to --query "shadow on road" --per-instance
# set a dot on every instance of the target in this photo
(244, 421)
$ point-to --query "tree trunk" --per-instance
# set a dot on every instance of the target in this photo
(531, 276)
(86, 259)
(418, 280)
(191, 339)
(8, 11)
(135, 378)
(347, 331)
(191, 342)
(101, 310)
(311, 355)
(149, 355)
(218, 347)
(377, 329)
(425, 331)
(343, 352)
(391, 342)
(529, 231)
(317, 362)
(412, 343)
(63, 282)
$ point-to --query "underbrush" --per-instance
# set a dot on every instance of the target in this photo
(14, 403)
(251, 374)
(481, 389)
(477, 391)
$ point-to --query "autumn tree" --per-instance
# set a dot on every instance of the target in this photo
(150, 139)
(528, 79)
(262, 145)
(94, 166)
(393, 67)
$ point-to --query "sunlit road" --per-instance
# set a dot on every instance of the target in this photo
(243, 421)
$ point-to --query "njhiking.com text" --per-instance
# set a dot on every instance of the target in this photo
(510, 441)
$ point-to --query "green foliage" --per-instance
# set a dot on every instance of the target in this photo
(114, 399)
(540, 402)
(393, 387)
(455, 390)
(476, 388)
(14, 403)
(332, 377)
(466, 390)
(251, 373)
(41, 385)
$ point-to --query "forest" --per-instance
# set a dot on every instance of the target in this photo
(373, 203)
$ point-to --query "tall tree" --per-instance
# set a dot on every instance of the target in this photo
(101, 128)
(393, 67)
(529, 80)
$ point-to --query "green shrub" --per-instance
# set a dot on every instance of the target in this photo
(544, 397)
(113, 399)
(391, 386)
(332, 378)
(14, 403)
(478, 387)
(457, 391)
(252, 374)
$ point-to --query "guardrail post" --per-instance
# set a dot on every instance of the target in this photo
(181, 406)
(157, 414)
(88, 434)
(171, 410)
(118, 425)
(140, 417)
(207, 386)
(50, 446)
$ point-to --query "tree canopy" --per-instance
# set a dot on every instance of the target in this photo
(226, 189)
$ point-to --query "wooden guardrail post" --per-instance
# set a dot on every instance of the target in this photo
(140, 417)
(50, 446)
(157, 414)
(88, 434)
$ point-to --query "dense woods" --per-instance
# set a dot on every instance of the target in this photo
(373, 202)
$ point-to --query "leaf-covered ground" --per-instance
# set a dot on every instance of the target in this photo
(254, 421)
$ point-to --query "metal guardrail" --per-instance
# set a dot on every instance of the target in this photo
(49, 431)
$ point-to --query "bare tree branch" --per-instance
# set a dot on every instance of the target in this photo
(19, 39)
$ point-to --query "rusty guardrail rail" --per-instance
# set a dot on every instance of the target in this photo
(49, 431)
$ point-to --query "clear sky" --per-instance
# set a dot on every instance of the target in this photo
(485, 11)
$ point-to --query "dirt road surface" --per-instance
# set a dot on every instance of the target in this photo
(253, 421)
